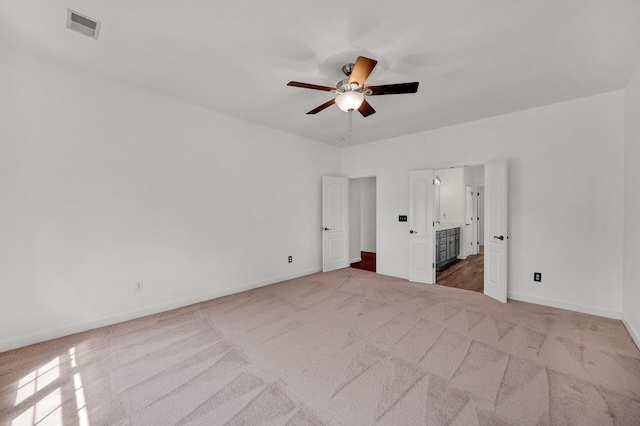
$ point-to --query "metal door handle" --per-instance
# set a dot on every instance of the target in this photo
(468, 224)
(412, 232)
(499, 238)
(327, 229)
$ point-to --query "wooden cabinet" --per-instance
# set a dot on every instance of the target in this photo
(447, 245)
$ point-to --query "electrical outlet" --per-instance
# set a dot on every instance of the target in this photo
(537, 277)
(139, 286)
(402, 218)
(290, 259)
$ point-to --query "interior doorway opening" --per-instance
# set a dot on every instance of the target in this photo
(459, 224)
(363, 223)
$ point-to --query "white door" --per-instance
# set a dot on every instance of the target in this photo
(469, 221)
(495, 218)
(421, 231)
(335, 223)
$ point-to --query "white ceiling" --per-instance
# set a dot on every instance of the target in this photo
(473, 58)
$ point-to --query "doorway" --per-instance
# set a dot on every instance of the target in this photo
(459, 221)
(363, 223)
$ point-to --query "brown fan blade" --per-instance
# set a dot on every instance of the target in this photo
(361, 70)
(366, 109)
(310, 86)
(323, 106)
(393, 89)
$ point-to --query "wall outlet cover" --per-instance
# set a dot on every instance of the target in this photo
(537, 277)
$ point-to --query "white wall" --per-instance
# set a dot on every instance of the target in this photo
(102, 185)
(474, 176)
(631, 293)
(452, 196)
(565, 195)
(368, 214)
(355, 241)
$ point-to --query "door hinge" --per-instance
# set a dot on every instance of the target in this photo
(433, 265)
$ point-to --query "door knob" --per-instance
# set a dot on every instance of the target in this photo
(499, 238)
(468, 224)
(327, 229)
(412, 232)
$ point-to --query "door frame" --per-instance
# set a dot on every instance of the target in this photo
(474, 214)
(480, 219)
(458, 164)
(373, 174)
(475, 222)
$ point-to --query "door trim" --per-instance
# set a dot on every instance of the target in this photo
(478, 162)
(374, 174)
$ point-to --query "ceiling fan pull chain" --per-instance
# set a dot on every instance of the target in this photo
(350, 122)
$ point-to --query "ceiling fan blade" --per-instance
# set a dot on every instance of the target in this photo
(310, 86)
(393, 89)
(366, 109)
(361, 70)
(323, 106)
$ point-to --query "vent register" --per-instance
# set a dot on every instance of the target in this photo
(82, 24)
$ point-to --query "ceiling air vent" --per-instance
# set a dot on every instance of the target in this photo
(82, 24)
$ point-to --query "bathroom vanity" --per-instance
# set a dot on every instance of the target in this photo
(447, 243)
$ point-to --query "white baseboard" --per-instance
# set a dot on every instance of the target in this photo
(26, 340)
(564, 305)
(355, 260)
(366, 250)
(632, 331)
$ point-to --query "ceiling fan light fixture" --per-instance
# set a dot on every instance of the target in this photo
(349, 101)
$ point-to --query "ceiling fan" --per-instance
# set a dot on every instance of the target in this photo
(351, 91)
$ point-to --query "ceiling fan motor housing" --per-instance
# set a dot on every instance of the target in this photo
(347, 69)
(344, 86)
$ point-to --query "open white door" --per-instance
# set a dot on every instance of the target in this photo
(335, 223)
(421, 232)
(495, 217)
(469, 222)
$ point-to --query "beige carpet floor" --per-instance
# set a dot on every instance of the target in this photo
(347, 347)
